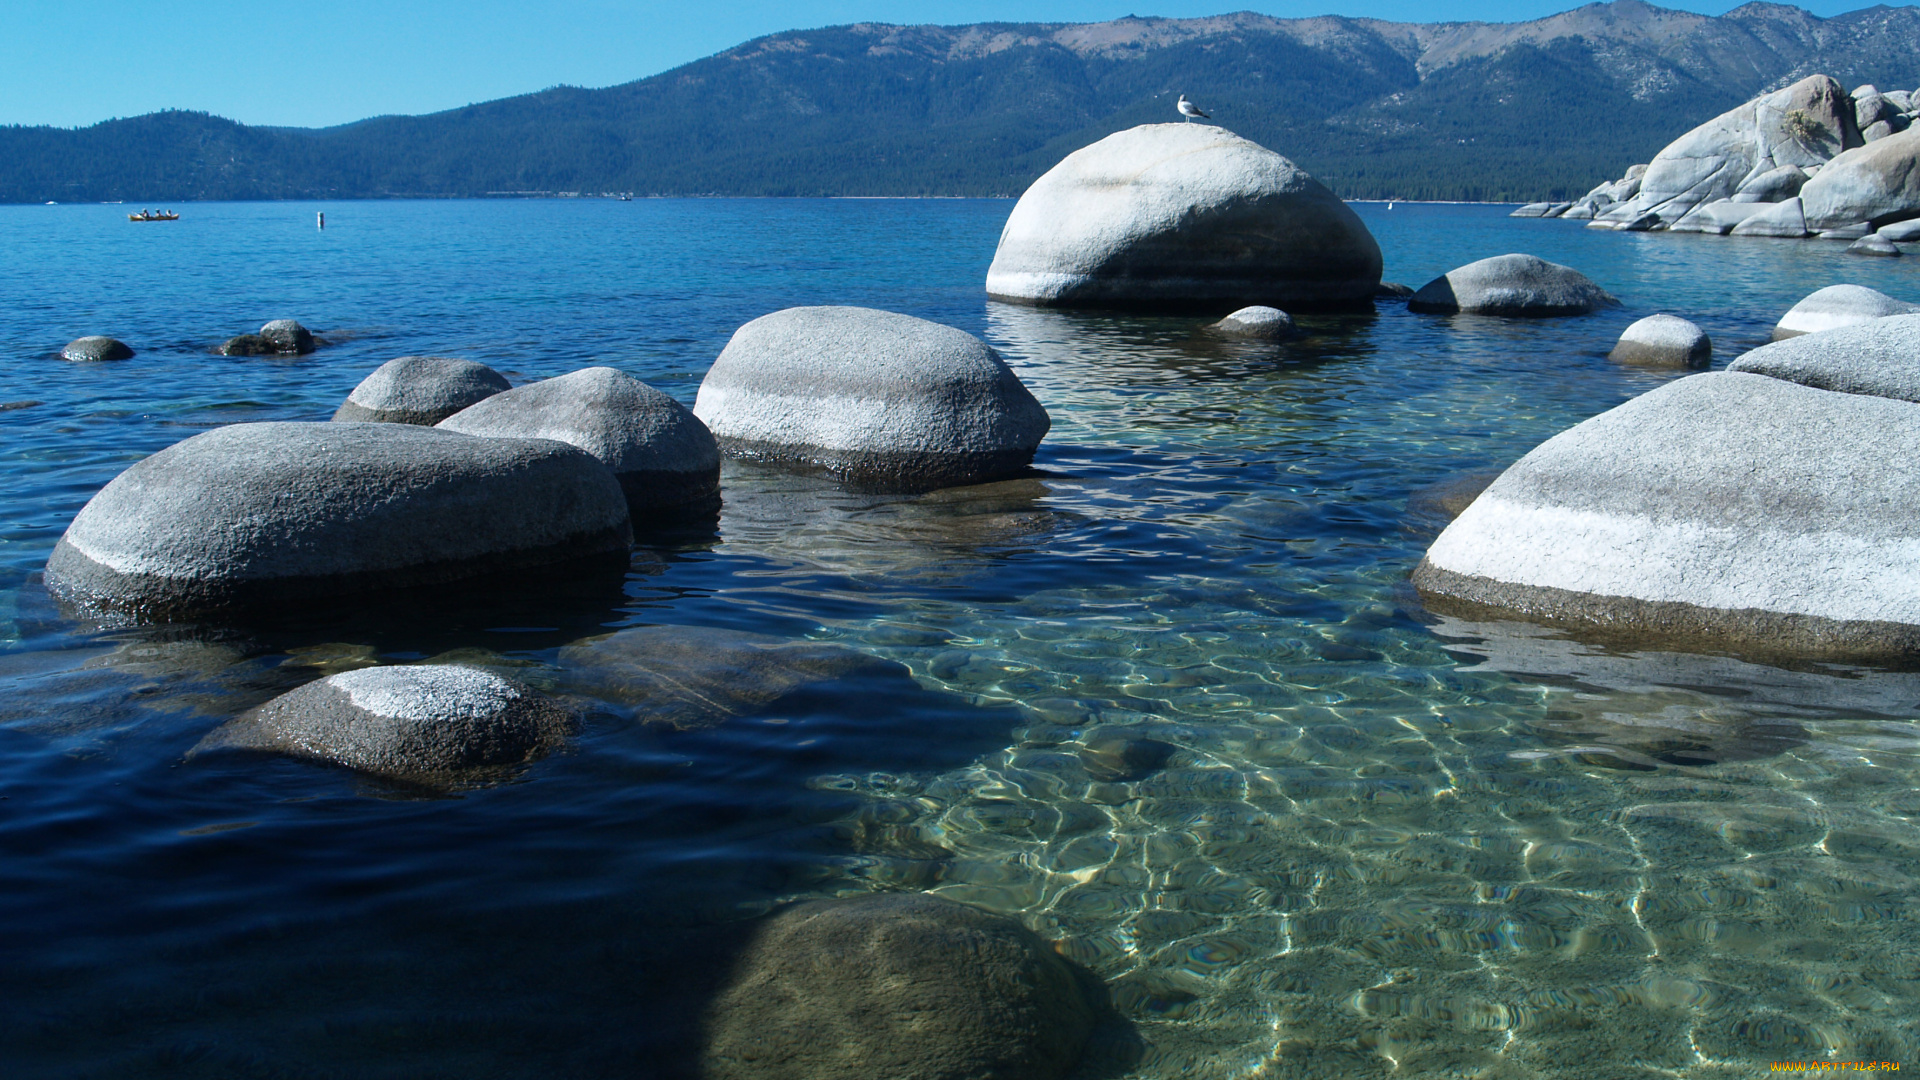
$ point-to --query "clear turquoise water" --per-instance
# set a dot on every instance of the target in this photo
(1382, 844)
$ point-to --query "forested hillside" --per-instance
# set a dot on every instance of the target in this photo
(1535, 110)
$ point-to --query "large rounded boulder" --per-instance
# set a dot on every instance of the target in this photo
(1836, 306)
(420, 390)
(661, 453)
(1182, 215)
(1880, 358)
(95, 349)
(1521, 285)
(905, 986)
(254, 515)
(1878, 182)
(418, 722)
(880, 399)
(1723, 512)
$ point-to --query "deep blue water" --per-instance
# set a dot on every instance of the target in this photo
(1382, 842)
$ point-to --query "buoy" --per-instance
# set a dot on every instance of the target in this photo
(323, 219)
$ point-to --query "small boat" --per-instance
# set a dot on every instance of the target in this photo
(154, 215)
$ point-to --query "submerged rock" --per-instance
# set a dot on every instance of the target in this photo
(96, 349)
(254, 515)
(1122, 754)
(1182, 214)
(420, 390)
(1663, 341)
(1520, 285)
(906, 986)
(421, 722)
(696, 676)
(1257, 323)
(246, 345)
(287, 336)
(1768, 523)
(661, 453)
(883, 400)
(1880, 358)
(1836, 306)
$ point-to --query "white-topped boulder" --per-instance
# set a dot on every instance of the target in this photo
(661, 453)
(95, 349)
(1836, 306)
(1722, 511)
(1880, 357)
(420, 390)
(877, 398)
(252, 516)
(1182, 215)
(423, 722)
(1663, 341)
(1258, 323)
(1520, 285)
(1876, 182)
(287, 336)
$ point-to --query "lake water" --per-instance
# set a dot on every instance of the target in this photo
(1380, 843)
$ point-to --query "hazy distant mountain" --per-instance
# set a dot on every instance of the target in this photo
(1534, 110)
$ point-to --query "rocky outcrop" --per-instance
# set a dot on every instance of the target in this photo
(1817, 160)
(906, 986)
(420, 390)
(1769, 522)
(1663, 341)
(1836, 306)
(661, 453)
(1182, 215)
(1257, 323)
(1521, 285)
(1879, 357)
(96, 349)
(879, 399)
(252, 516)
(1877, 183)
(430, 723)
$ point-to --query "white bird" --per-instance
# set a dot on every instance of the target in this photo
(1189, 110)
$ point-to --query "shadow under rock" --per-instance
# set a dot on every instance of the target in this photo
(1672, 707)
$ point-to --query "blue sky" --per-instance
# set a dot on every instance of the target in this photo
(314, 63)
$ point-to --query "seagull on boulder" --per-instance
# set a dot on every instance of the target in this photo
(1189, 110)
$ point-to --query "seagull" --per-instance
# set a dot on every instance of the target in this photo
(1189, 110)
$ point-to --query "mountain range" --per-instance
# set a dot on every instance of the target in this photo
(1474, 111)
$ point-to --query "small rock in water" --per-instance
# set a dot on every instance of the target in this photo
(246, 345)
(95, 349)
(1511, 285)
(8, 406)
(420, 390)
(661, 453)
(1873, 244)
(1392, 290)
(1257, 322)
(1836, 306)
(288, 336)
(901, 986)
(418, 722)
(1663, 341)
(1122, 754)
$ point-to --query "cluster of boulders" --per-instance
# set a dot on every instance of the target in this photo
(280, 337)
(1806, 160)
(1773, 520)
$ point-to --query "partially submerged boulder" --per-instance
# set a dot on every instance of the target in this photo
(96, 349)
(880, 399)
(1878, 182)
(661, 453)
(1182, 215)
(420, 390)
(287, 336)
(1718, 217)
(1783, 220)
(1880, 358)
(1258, 323)
(246, 345)
(1663, 341)
(906, 986)
(1874, 244)
(424, 722)
(1836, 306)
(255, 515)
(1521, 285)
(1769, 522)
